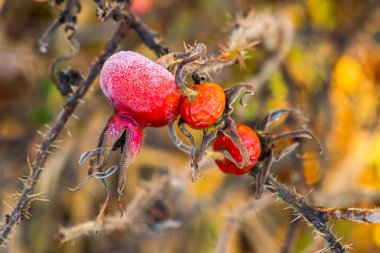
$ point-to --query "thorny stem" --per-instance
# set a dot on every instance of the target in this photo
(361, 215)
(23, 203)
(308, 211)
(147, 35)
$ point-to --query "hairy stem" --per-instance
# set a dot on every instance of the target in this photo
(309, 212)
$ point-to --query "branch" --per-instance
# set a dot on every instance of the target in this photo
(25, 198)
(118, 11)
(274, 32)
(152, 191)
(361, 215)
(149, 37)
(306, 210)
(68, 17)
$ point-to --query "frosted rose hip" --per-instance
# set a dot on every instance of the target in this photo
(142, 93)
(140, 88)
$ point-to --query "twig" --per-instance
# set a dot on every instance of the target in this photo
(149, 37)
(141, 201)
(22, 206)
(306, 210)
(347, 198)
(274, 32)
(361, 215)
(68, 16)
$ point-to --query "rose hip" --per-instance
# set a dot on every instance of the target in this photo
(142, 93)
(251, 142)
(205, 108)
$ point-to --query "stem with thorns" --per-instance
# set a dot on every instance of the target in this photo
(309, 212)
(361, 215)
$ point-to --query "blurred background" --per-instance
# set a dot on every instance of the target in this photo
(331, 73)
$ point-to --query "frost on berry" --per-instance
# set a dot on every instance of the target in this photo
(142, 93)
(140, 88)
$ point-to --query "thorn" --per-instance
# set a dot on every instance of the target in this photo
(41, 133)
(298, 217)
(5, 203)
(28, 161)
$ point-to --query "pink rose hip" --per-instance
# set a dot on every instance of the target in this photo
(142, 93)
(140, 88)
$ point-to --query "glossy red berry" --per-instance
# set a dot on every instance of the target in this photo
(140, 88)
(251, 142)
(205, 108)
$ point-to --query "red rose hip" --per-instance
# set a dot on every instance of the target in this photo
(205, 108)
(251, 142)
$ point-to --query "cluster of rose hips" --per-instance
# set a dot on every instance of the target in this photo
(144, 94)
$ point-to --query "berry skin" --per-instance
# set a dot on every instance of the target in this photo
(140, 89)
(251, 142)
(206, 108)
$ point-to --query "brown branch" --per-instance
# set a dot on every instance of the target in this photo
(361, 215)
(152, 191)
(22, 206)
(309, 212)
(149, 37)
(67, 17)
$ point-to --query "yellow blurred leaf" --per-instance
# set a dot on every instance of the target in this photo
(207, 185)
(10, 129)
(322, 12)
(311, 171)
(348, 74)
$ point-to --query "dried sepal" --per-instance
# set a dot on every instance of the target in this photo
(182, 127)
(177, 141)
(272, 117)
(108, 143)
(103, 181)
(286, 151)
(233, 93)
(87, 154)
(303, 133)
(132, 146)
(200, 151)
(194, 54)
(171, 60)
(262, 174)
(97, 175)
(231, 132)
